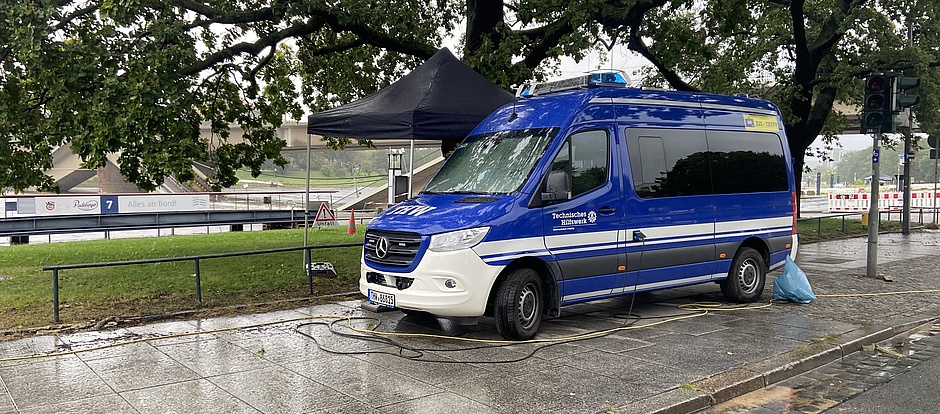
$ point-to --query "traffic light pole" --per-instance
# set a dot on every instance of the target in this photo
(906, 209)
(934, 143)
(874, 215)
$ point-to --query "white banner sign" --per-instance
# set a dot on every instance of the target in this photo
(160, 202)
(58, 206)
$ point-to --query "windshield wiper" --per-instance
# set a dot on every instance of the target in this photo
(468, 192)
(484, 193)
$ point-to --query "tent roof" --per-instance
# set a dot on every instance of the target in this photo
(441, 99)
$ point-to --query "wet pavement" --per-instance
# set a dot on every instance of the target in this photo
(823, 389)
(660, 358)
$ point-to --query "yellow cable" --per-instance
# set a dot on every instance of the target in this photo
(848, 295)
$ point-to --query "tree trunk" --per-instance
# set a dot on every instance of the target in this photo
(482, 18)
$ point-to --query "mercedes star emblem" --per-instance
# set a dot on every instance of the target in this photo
(381, 247)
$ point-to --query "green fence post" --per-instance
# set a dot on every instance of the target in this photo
(198, 283)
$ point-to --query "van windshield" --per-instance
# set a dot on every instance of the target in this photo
(492, 163)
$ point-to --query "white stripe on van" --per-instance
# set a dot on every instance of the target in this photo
(510, 246)
(581, 239)
(581, 242)
(764, 223)
(685, 232)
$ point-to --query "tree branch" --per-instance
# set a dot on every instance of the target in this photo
(832, 31)
(252, 48)
(799, 38)
(379, 38)
(636, 44)
(543, 40)
(74, 15)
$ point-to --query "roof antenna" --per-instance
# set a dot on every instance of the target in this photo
(513, 115)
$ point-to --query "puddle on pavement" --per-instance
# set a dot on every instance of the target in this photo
(775, 398)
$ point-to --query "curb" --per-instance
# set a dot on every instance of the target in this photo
(735, 382)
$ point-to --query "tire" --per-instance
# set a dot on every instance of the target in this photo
(747, 276)
(519, 304)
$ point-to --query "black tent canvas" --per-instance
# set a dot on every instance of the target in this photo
(441, 99)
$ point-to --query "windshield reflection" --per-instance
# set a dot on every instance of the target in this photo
(493, 163)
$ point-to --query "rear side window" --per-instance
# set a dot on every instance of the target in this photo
(673, 163)
(746, 162)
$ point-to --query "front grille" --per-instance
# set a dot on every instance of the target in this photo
(402, 247)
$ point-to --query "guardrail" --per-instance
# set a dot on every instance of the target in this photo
(882, 216)
(55, 269)
(40, 225)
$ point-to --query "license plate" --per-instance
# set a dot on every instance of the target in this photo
(382, 298)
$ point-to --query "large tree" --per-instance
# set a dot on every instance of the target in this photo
(138, 78)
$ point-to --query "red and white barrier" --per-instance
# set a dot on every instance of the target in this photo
(888, 201)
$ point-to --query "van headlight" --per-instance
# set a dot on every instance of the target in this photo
(456, 240)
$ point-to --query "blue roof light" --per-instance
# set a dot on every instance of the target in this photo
(585, 81)
(608, 78)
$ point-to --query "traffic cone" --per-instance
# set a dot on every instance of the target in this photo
(352, 222)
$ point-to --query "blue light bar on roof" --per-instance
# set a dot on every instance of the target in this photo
(585, 81)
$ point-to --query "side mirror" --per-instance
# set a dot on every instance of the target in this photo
(556, 186)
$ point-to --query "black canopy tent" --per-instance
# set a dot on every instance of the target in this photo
(442, 99)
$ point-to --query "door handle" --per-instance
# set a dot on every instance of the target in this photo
(606, 210)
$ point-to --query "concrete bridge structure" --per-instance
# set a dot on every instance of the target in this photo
(68, 173)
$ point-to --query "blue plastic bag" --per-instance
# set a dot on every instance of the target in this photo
(792, 285)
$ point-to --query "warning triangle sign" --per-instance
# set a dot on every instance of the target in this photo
(324, 214)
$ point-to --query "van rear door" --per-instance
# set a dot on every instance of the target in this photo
(583, 214)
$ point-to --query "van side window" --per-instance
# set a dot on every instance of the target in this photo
(668, 163)
(582, 164)
(746, 162)
(671, 163)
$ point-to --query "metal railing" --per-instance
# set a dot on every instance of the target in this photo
(882, 216)
(195, 259)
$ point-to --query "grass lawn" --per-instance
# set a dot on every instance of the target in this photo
(157, 289)
(814, 230)
(88, 295)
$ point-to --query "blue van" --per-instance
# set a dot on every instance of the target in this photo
(588, 189)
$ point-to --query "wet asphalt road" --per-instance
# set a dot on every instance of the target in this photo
(913, 391)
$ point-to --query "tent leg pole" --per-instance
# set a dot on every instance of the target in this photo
(411, 169)
(307, 196)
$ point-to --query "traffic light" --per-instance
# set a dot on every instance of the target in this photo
(901, 99)
(934, 143)
(876, 113)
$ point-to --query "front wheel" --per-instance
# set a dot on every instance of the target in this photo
(747, 276)
(518, 305)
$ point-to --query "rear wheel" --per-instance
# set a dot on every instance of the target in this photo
(518, 305)
(747, 276)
